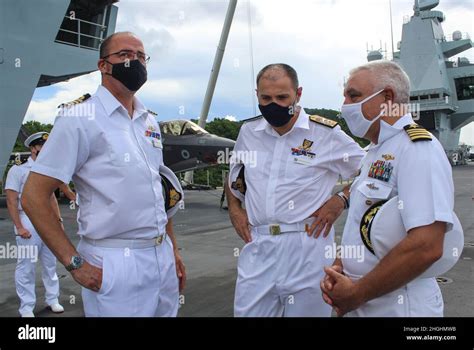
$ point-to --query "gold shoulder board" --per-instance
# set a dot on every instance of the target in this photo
(75, 102)
(417, 133)
(152, 113)
(323, 121)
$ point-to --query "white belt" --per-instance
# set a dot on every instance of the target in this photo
(125, 243)
(278, 229)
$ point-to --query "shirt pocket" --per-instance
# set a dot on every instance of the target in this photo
(299, 170)
(123, 149)
(153, 149)
(374, 191)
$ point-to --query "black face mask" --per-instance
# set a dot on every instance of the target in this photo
(277, 115)
(132, 74)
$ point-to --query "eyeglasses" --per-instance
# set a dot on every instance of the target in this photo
(130, 55)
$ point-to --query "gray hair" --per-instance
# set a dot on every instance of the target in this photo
(388, 74)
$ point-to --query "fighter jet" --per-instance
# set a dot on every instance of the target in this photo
(187, 146)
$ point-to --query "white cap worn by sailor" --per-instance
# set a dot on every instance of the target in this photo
(38, 138)
(382, 229)
(172, 191)
(237, 182)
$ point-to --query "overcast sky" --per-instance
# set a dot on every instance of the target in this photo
(321, 39)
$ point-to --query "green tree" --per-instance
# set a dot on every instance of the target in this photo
(31, 127)
(223, 127)
(333, 115)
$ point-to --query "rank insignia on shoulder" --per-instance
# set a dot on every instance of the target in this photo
(75, 102)
(417, 133)
(323, 121)
(152, 113)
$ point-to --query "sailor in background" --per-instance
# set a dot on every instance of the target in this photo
(421, 232)
(127, 261)
(28, 238)
(284, 168)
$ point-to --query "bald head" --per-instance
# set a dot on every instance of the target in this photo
(276, 71)
(115, 40)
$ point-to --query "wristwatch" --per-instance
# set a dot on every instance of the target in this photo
(343, 196)
(76, 262)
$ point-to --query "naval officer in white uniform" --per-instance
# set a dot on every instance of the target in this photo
(27, 237)
(403, 159)
(127, 260)
(284, 168)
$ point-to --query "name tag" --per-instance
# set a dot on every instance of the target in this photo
(157, 143)
(303, 161)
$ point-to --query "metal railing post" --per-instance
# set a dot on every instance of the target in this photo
(78, 33)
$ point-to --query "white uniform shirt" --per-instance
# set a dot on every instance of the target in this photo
(286, 182)
(113, 161)
(418, 172)
(16, 179)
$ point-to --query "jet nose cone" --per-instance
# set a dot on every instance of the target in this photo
(217, 148)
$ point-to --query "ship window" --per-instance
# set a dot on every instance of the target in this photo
(191, 128)
(433, 96)
(427, 120)
(465, 88)
(85, 24)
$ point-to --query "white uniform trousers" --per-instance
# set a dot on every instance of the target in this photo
(420, 298)
(280, 276)
(25, 272)
(135, 282)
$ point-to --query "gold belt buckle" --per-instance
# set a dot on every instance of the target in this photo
(159, 240)
(275, 230)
